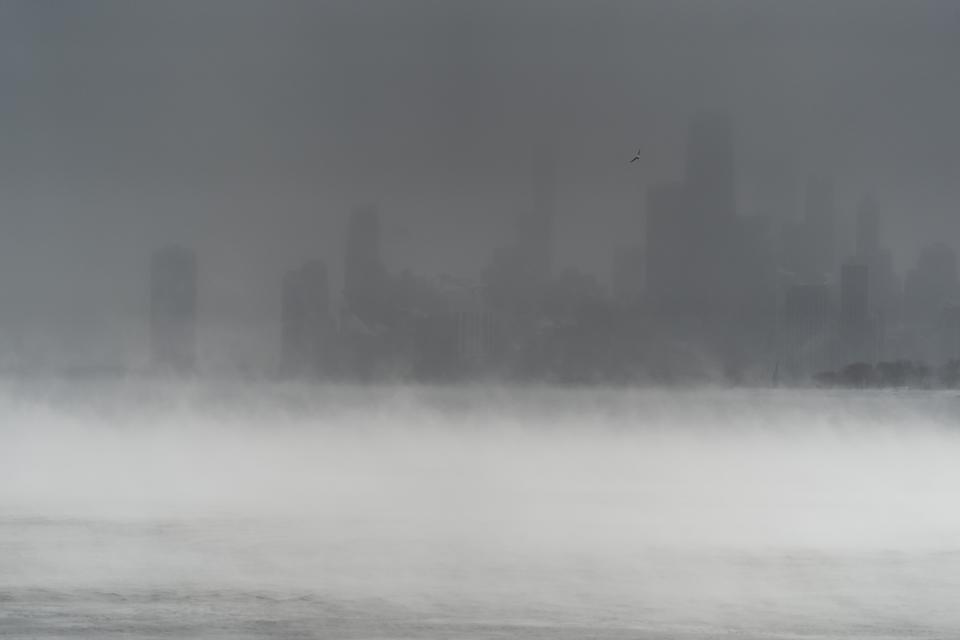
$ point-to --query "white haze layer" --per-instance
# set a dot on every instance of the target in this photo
(803, 514)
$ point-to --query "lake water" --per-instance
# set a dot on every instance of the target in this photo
(229, 510)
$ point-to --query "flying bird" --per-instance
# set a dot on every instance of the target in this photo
(636, 157)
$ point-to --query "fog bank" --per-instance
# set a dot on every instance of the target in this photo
(581, 506)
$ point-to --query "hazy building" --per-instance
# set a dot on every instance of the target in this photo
(855, 325)
(671, 268)
(714, 238)
(931, 284)
(480, 337)
(711, 169)
(868, 228)
(365, 291)
(628, 268)
(535, 230)
(173, 308)
(820, 216)
(708, 278)
(306, 325)
(807, 328)
(949, 348)
(519, 274)
(884, 285)
(812, 243)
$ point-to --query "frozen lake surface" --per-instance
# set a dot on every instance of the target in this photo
(224, 510)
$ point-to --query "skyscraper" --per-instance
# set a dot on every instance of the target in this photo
(883, 280)
(535, 229)
(868, 228)
(713, 238)
(819, 232)
(628, 263)
(931, 287)
(710, 169)
(932, 283)
(305, 322)
(855, 329)
(519, 274)
(364, 276)
(670, 271)
(173, 308)
(808, 323)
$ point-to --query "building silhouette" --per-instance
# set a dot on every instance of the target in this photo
(479, 337)
(855, 325)
(628, 274)
(808, 245)
(931, 289)
(807, 329)
(173, 308)
(365, 290)
(519, 273)
(711, 169)
(884, 286)
(932, 283)
(949, 333)
(703, 260)
(820, 233)
(671, 272)
(306, 324)
(868, 228)
(712, 236)
(535, 229)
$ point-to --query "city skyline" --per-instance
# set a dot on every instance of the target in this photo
(742, 294)
(254, 137)
(527, 319)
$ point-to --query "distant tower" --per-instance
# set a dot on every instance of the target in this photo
(535, 228)
(306, 324)
(173, 308)
(713, 239)
(364, 277)
(883, 279)
(670, 260)
(855, 329)
(711, 169)
(808, 324)
(819, 229)
(868, 229)
(628, 265)
(933, 282)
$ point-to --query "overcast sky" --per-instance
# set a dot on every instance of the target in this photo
(249, 129)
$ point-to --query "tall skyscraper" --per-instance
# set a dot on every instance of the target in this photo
(535, 228)
(932, 283)
(855, 326)
(670, 271)
(711, 169)
(932, 287)
(819, 232)
(518, 277)
(868, 228)
(173, 308)
(713, 238)
(883, 281)
(628, 263)
(364, 276)
(807, 327)
(306, 323)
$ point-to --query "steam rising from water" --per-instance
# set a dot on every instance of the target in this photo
(796, 513)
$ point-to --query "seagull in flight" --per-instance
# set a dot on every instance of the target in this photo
(636, 157)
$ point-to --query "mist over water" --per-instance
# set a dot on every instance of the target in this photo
(235, 510)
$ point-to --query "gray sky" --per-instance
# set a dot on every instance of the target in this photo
(249, 129)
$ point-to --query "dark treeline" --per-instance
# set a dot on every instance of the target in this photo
(892, 375)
